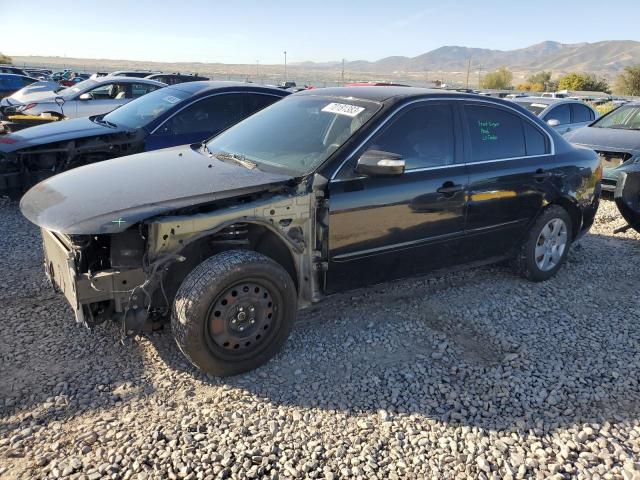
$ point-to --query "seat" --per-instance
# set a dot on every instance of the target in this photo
(120, 95)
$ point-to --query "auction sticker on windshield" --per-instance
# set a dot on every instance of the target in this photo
(343, 109)
(171, 99)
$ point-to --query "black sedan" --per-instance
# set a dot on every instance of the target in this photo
(322, 192)
(186, 113)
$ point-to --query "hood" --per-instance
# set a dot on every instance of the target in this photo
(53, 132)
(111, 196)
(608, 139)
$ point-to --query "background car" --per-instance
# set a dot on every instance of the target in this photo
(616, 138)
(12, 69)
(131, 73)
(562, 114)
(90, 97)
(175, 78)
(10, 83)
(177, 115)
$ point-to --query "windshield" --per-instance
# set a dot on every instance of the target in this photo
(296, 134)
(535, 108)
(69, 91)
(626, 117)
(143, 110)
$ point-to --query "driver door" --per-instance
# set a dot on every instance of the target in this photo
(388, 227)
(104, 98)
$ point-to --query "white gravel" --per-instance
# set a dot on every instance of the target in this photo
(476, 374)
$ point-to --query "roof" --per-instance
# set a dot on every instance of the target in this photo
(375, 93)
(14, 75)
(545, 100)
(107, 79)
(206, 85)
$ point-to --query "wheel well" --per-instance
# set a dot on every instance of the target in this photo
(574, 213)
(244, 236)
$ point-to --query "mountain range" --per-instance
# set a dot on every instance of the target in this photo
(606, 57)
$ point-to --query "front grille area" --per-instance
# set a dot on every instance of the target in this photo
(612, 159)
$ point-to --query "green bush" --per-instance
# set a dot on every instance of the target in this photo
(604, 107)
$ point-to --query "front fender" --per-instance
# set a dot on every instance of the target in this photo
(627, 196)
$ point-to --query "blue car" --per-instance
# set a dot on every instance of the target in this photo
(11, 83)
(177, 115)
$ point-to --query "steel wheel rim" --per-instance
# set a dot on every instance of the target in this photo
(551, 244)
(242, 318)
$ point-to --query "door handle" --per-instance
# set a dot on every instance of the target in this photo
(541, 175)
(449, 188)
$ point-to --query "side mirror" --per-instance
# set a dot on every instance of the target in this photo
(378, 163)
(553, 122)
(59, 101)
(85, 96)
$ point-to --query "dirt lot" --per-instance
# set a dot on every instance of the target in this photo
(477, 374)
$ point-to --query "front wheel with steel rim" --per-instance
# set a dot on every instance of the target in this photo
(233, 312)
(546, 246)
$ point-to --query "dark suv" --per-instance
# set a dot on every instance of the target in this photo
(324, 191)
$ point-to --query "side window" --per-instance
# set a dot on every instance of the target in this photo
(581, 113)
(536, 141)
(562, 113)
(108, 91)
(208, 115)
(494, 133)
(140, 89)
(422, 135)
(255, 101)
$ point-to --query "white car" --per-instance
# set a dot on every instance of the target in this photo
(87, 98)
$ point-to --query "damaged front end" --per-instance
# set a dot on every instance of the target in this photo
(103, 276)
(131, 276)
(627, 198)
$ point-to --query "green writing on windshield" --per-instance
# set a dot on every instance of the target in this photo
(488, 130)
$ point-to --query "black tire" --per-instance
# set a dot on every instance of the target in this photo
(213, 296)
(527, 262)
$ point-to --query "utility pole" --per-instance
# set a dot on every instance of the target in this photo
(426, 76)
(479, 76)
(285, 65)
(468, 69)
(342, 75)
(257, 69)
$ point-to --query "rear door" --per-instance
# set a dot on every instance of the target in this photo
(506, 156)
(389, 227)
(198, 121)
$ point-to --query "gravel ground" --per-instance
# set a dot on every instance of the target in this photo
(475, 374)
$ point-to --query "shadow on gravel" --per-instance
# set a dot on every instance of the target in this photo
(480, 348)
(50, 368)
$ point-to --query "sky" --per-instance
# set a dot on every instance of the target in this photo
(243, 31)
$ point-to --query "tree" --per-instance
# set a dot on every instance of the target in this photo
(584, 82)
(5, 59)
(499, 80)
(628, 82)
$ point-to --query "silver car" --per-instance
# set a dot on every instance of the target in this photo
(562, 114)
(90, 97)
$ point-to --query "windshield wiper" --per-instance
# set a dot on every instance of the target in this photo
(237, 158)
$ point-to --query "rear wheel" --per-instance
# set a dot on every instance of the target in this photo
(233, 312)
(546, 246)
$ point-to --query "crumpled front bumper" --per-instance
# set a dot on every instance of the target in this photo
(82, 289)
